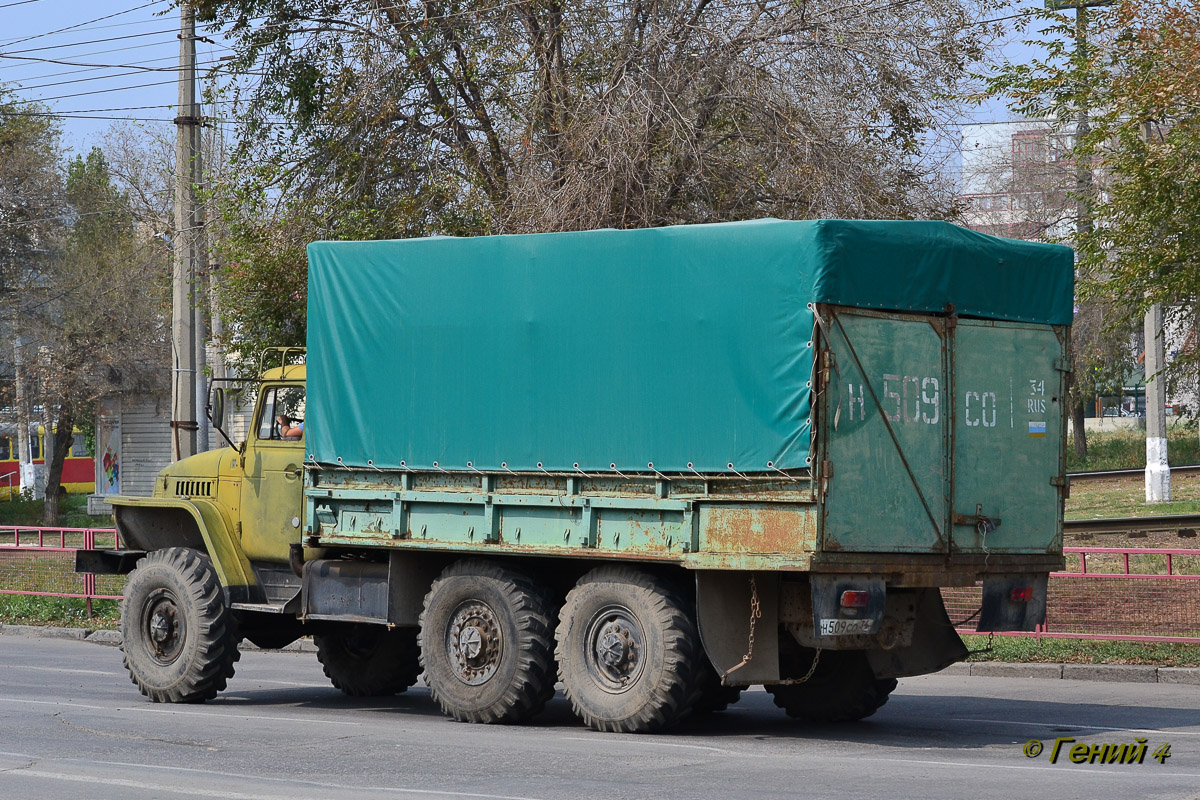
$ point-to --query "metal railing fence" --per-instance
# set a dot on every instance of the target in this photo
(1119, 593)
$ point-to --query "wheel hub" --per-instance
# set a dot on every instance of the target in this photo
(163, 627)
(473, 643)
(615, 648)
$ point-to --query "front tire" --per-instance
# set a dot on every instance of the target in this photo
(487, 644)
(628, 651)
(370, 660)
(179, 638)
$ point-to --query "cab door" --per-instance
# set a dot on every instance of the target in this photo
(273, 487)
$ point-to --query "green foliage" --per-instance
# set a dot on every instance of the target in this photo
(1081, 651)
(1134, 75)
(1126, 449)
(65, 612)
(26, 511)
(30, 195)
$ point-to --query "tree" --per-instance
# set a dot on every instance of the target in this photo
(102, 323)
(31, 223)
(1137, 77)
(392, 119)
(1027, 183)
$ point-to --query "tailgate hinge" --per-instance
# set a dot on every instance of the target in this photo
(1063, 482)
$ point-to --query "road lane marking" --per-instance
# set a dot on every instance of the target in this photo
(643, 742)
(231, 714)
(1062, 770)
(1055, 725)
(158, 786)
(240, 679)
(110, 673)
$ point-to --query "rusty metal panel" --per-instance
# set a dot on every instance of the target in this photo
(884, 422)
(758, 528)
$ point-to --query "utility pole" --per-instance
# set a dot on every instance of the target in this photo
(185, 372)
(27, 481)
(1158, 468)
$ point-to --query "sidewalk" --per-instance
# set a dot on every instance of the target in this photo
(1112, 673)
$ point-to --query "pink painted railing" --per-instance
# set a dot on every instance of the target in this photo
(1159, 606)
(1144, 597)
(45, 558)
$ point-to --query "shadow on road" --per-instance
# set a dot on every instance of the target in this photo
(916, 721)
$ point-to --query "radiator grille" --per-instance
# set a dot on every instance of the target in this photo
(193, 488)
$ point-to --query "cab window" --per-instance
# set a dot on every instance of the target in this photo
(286, 401)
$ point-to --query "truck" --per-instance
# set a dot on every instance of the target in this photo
(656, 465)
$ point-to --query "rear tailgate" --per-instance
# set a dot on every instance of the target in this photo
(939, 434)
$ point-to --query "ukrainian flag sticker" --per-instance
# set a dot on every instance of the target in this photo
(1037, 430)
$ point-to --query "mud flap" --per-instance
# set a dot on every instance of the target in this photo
(1013, 603)
(935, 644)
(723, 608)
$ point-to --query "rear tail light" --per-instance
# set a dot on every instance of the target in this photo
(852, 599)
(1021, 594)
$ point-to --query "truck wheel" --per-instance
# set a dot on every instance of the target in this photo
(627, 651)
(486, 644)
(370, 660)
(179, 638)
(843, 689)
(710, 696)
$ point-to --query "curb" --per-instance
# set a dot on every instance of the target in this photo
(1107, 673)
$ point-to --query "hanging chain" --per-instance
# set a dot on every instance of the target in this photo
(755, 614)
(811, 669)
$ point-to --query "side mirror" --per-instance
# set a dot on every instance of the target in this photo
(216, 409)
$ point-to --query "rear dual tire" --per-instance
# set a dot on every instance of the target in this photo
(628, 651)
(843, 688)
(487, 644)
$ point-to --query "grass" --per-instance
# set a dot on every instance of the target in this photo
(72, 512)
(1080, 651)
(64, 612)
(1126, 449)
(1126, 497)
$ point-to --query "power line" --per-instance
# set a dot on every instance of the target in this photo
(19, 3)
(99, 53)
(90, 41)
(98, 91)
(86, 67)
(73, 115)
(81, 24)
(135, 70)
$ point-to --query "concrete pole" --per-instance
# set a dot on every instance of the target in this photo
(48, 433)
(27, 480)
(183, 345)
(200, 299)
(1158, 472)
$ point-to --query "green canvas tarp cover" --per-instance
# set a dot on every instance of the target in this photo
(689, 347)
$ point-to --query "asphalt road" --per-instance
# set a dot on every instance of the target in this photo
(73, 726)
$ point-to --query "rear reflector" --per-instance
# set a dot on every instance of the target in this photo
(851, 599)
(1021, 594)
